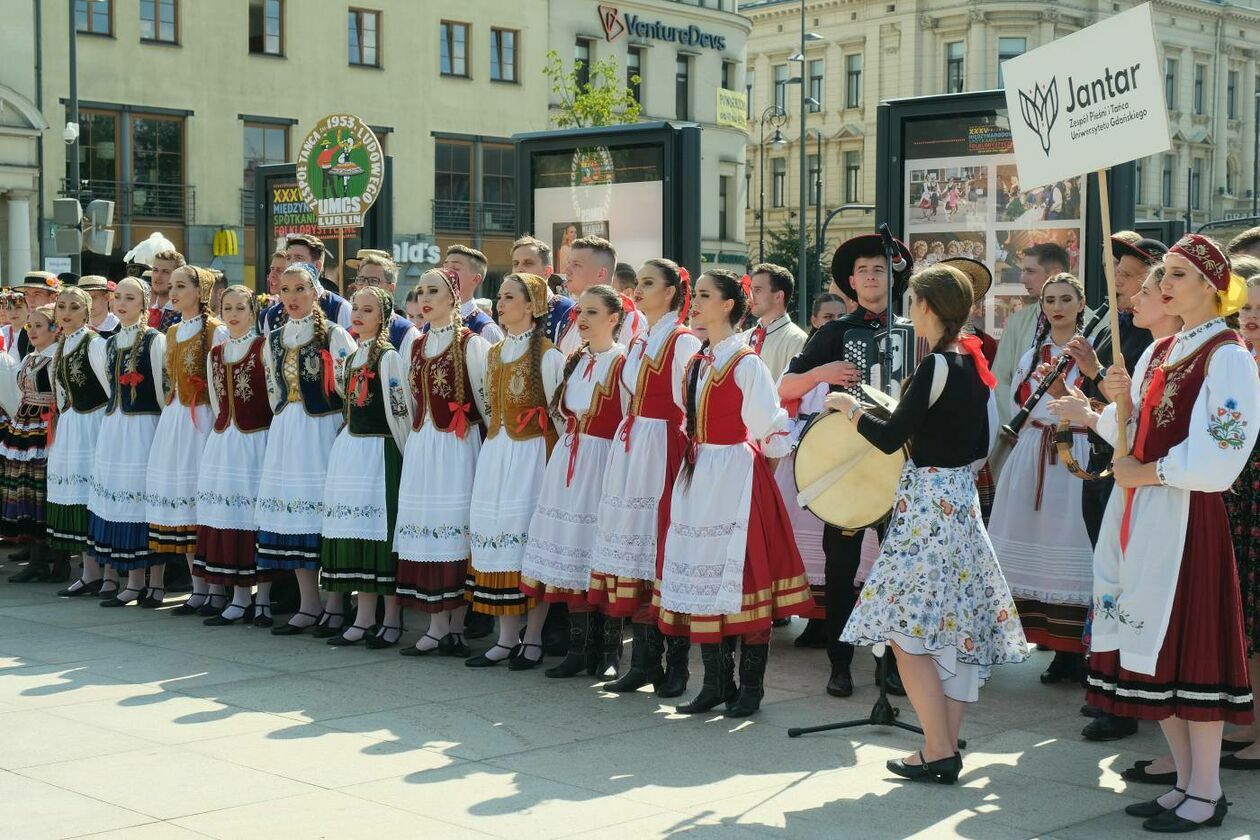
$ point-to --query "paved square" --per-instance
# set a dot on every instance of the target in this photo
(136, 724)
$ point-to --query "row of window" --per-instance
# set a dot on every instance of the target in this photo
(1199, 91)
(1168, 177)
(454, 48)
(778, 180)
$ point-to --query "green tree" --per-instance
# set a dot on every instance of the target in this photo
(603, 100)
(783, 247)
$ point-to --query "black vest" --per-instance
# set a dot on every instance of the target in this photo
(138, 396)
(76, 377)
(371, 419)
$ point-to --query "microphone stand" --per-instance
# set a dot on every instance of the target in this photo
(883, 713)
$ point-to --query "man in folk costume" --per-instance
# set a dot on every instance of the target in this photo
(593, 262)
(860, 269)
(373, 267)
(1133, 260)
(531, 255)
(470, 264)
(775, 338)
(101, 320)
(38, 288)
(309, 250)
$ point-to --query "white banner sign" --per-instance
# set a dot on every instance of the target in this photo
(1088, 101)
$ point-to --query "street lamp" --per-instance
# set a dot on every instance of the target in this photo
(775, 116)
(801, 262)
(818, 243)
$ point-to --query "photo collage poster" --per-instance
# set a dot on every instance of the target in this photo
(964, 198)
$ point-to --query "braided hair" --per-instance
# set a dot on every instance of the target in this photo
(533, 378)
(692, 385)
(306, 271)
(728, 283)
(611, 300)
(1044, 329)
(380, 342)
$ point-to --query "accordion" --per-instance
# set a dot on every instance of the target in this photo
(865, 349)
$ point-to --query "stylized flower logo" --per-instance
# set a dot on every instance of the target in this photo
(1041, 110)
(611, 19)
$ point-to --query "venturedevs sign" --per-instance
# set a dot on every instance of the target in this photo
(615, 24)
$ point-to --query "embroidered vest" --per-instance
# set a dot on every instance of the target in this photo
(369, 419)
(1164, 419)
(433, 386)
(299, 377)
(132, 389)
(83, 390)
(514, 405)
(186, 364)
(35, 385)
(241, 389)
(654, 392)
(604, 415)
(718, 418)
(477, 321)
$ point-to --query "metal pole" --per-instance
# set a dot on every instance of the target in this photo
(761, 209)
(1255, 160)
(1190, 200)
(72, 116)
(818, 180)
(802, 264)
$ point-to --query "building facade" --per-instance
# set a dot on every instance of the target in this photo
(869, 52)
(181, 100)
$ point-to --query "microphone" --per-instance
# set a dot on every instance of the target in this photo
(890, 248)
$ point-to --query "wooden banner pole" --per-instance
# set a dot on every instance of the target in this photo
(341, 260)
(1104, 205)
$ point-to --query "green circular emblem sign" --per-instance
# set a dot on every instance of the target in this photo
(340, 167)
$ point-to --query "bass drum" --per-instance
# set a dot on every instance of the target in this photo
(840, 477)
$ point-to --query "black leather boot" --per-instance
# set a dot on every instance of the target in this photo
(610, 653)
(719, 678)
(37, 568)
(581, 655)
(752, 679)
(677, 652)
(645, 660)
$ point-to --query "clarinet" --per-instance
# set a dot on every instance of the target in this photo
(1011, 429)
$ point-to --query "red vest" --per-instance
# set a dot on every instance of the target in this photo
(605, 413)
(718, 404)
(654, 391)
(433, 385)
(241, 389)
(1169, 395)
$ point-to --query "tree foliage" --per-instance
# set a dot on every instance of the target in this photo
(603, 100)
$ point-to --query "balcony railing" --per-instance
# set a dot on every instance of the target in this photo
(139, 200)
(247, 206)
(473, 217)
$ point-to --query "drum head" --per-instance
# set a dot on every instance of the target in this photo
(852, 484)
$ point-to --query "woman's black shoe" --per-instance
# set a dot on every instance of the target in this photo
(943, 771)
(719, 679)
(152, 598)
(677, 654)
(214, 605)
(582, 654)
(483, 661)
(813, 636)
(452, 644)
(385, 637)
(415, 651)
(520, 662)
(114, 601)
(1138, 773)
(292, 629)
(343, 641)
(1234, 746)
(221, 620)
(262, 615)
(80, 588)
(324, 628)
(1064, 666)
(1146, 810)
(190, 609)
(109, 589)
(1169, 823)
(1233, 762)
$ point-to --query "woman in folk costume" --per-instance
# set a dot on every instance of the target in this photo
(304, 360)
(118, 524)
(1037, 527)
(807, 529)
(364, 469)
(231, 464)
(730, 565)
(1167, 641)
(24, 455)
(175, 459)
(591, 401)
(634, 505)
(936, 592)
(522, 374)
(446, 379)
(79, 376)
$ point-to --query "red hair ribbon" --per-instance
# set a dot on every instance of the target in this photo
(571, 430)
(199, 385)
(529, 415)
(745, 285)
(459, 420)
(684, 280)
(359, 382)
(330, 379)
(627, 303)
(971, 345)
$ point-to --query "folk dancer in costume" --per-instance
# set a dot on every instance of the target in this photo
(730, 565)
(1133, 262)
(24, 455)
(860, 270)
(103, 322)
(523, 372)
(1037, 527)
(633, 514)
(364, 469)
(591, 402)
(175, 459)
(38, 288)
(936, 592)
(231, 464)
(531, 255)
(1164, 557)
(309, 250)
(446, 390)
(377, 268)
(118, 523)
(162, 265)
(470, 264)
(986, 483)
(807, 528)
(305, 359)
(79, 376)
(592, 261)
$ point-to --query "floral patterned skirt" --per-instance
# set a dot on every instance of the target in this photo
(1243, 505)
(937, 579)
